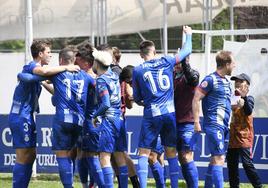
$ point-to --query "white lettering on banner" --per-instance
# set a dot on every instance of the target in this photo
(46, 135)
(9, 159)
(255, 144)
(264, 156)
(129, 136)
(42, 159)
(203, 145)
(46, 160)
(6, 131)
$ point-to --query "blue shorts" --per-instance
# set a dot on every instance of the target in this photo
(165, 125)
(64, 135)
(218, 139)
(159, 149)
(121, 142)
(23, 131)
(186, 137)
(109, 135)
(91, 137)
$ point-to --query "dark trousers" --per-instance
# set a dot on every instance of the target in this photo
(232, 157)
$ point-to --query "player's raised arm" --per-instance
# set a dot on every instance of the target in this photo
(187, 47)
(49, 71)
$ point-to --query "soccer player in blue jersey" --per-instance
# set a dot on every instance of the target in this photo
(89, 158)
(70, 94)
(109, 112)
(185, 81)
(126, 102)
(215, 93)
(153, 88)
(25, 103)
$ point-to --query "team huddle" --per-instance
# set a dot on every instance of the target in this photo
(91, 92)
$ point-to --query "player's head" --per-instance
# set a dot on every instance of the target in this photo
(105, 47)
(41, 52)
(116, 55)
(67, 56)
(102, 61)
(126, 74)
(84, 57)
(147, 48)
(225, 61)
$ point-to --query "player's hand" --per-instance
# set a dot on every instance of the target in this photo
(187, 30)
(240, 103)
(197, 127)
(72, 68)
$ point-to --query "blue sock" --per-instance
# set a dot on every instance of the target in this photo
(82, 168)
(208, 178)
(123, 175)
(21, 175)
(158, 173)
(217, 176)
(190, 174)
(108, 177)
(66, 171)
(173, 171)
(96, 171)
(143, 170)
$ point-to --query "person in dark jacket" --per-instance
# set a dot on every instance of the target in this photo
(242, 134)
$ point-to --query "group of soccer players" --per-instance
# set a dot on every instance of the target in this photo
(90, 93)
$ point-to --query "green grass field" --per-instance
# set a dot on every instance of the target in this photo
(52, 181)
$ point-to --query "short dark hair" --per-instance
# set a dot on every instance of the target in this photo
(39, 46)
(223, 57)
(67, 54)
(85, 52)
(145, 46)
(126, 73)
(104, 47)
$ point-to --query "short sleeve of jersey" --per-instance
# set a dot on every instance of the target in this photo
(91, 81)
(206, 85)
(172, 60)
(135, 85)
(32, 65)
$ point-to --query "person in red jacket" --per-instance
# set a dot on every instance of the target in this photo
(185, 81)
(242, 134)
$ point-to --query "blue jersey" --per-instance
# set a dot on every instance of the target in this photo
(216, 105)
(70, 96)
(92, 102)
(109, 96)
(153, 84)
(26, 95)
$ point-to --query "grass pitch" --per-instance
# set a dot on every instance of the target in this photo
(53, 181)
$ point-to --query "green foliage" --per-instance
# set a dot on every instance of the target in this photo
(14, 45)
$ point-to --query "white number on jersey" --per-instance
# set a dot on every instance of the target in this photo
(80, 86)
(162, 80)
